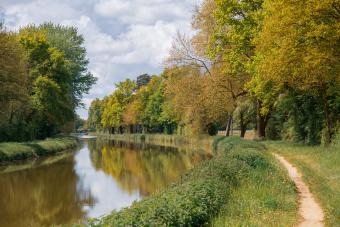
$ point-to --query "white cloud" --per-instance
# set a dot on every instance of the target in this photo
(145, 12)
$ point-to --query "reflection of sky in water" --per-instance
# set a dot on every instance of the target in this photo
(108, 195)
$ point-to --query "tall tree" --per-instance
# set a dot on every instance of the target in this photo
(67, 40)
(13, 86)
(299, 48)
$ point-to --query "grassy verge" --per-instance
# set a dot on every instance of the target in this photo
(321, 171)
(19, 151)
(230, 188)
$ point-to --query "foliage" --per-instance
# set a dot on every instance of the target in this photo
(116, 104)
(297, 48)
(143, 80)
(14, 94)
(94, 116)
(44, 74)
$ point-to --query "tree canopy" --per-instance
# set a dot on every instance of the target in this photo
(44, 74)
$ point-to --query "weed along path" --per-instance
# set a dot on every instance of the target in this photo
(310, 211)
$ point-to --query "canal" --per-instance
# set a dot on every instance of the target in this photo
(99, 176)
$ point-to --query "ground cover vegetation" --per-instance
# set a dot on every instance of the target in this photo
(15, 151)
(208, 189)
(272, 65)
(43, 76)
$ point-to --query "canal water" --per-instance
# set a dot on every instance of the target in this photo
(96, 178)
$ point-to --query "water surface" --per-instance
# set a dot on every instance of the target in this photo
(100, 176)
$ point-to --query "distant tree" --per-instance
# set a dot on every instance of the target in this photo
(95, 115)
(143, 80)
(79, 123)
(115, 105)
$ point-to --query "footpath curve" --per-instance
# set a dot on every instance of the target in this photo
(310, 211)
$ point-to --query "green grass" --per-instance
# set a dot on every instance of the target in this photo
(19, 151)
(240, 185)
(320, 168)
(264, 197)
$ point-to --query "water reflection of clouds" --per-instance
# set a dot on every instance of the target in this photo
(107, 193)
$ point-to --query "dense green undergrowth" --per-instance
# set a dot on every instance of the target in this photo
(12, 151)
(205, 192)
(320, 168)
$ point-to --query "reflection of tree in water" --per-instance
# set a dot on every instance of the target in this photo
(43, 196)
(142, 167)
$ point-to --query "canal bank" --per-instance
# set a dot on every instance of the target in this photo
(16, 151)
(241, 185)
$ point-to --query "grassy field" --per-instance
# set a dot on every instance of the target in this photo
(321, 171)
(241, 185)
(19, 151)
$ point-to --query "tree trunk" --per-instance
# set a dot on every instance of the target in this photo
(243, 126)
(229, 122)
(261, 127)
(328, 121)
(261, 122)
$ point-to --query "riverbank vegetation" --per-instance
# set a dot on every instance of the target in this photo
(249, 65)
(208, 189)
(14, 151)
(43, 76)
(321, 171)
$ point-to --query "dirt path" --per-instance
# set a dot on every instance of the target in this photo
(310, 211)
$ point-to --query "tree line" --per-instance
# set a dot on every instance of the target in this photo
(272, 65)
(43, 76)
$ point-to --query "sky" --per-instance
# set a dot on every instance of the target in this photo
(123, 38)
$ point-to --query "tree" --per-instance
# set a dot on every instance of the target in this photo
(95, 115)
(13, 87)
(183, 53)
(57, 76)
(298, 48)
(143, 80)
(49, 83)
(245, 112)
(67, 40)
(116, 104)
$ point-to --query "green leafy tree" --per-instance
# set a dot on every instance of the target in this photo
(298, 48)
(95, 115)
(116, 104)
(67, 40)
(14, 96)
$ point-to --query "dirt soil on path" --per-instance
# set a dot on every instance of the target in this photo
(311, 214)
